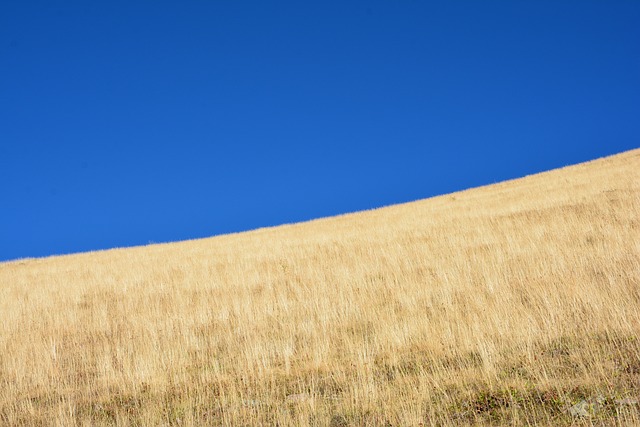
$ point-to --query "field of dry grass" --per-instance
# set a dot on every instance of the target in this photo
(511, 304)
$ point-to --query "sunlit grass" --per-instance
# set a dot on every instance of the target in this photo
(505, 304)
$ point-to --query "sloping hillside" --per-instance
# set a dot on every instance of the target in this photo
(513, 303)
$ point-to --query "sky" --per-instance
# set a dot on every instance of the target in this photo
(124, 123)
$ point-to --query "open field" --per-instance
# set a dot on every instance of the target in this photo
(511, 304)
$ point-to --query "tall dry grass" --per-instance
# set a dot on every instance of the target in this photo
(505, 304)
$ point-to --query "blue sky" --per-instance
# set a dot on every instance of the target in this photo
(126, 122)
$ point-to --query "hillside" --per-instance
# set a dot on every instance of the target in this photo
(513, 303)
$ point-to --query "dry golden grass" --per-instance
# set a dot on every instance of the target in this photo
(504, 304)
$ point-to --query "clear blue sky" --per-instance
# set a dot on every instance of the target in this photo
(125, 122)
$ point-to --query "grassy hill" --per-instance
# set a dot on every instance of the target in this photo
(516, 303)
